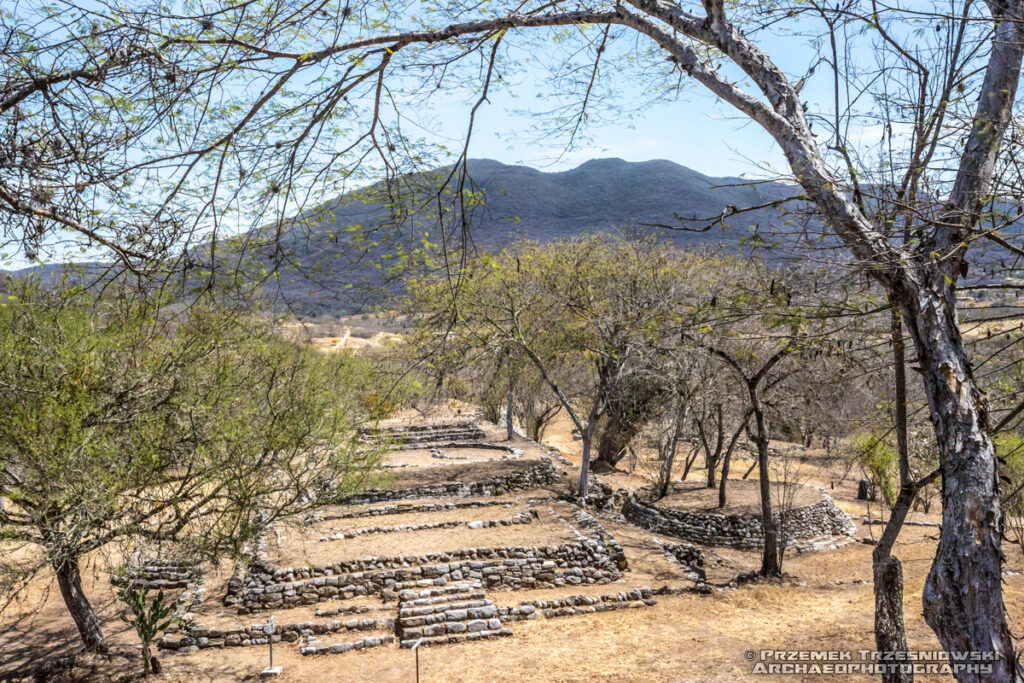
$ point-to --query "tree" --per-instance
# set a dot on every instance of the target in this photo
(583, 312)
(765, 326)
(130, 423)
(977, 55)
(634, 404)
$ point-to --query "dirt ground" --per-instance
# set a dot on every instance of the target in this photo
(742, 497)
(422, 457)
(824, 603)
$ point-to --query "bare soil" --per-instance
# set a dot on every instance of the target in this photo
(423, 458)
(742, 497)
(301, 545)
(825, 602)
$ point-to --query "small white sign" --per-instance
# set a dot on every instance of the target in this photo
(269, 628)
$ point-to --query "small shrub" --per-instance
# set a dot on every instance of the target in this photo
(879, 461)
(147, 617)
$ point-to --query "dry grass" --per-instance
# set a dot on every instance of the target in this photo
(682, 638)
(742, 497)
(300, 545)
(422, 458)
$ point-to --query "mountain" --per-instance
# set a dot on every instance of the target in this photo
(340, 271)
(339, 258)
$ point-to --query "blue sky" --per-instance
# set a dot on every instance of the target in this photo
(698, 131)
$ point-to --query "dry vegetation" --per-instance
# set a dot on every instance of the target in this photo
(825, 602)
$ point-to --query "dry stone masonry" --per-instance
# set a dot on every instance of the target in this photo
(518, 518)
(541, 474)
(313, 646)
(160, 575)
(415, 436)
(200, 637)
(812, 527)
(578, 604)
(685, 554)
(586, 561)
(406, 508)
(453, 614)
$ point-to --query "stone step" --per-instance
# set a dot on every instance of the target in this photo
(346, 646)
(456, 637)
(462, 587)
(446, 598)
(449, 616)
(555, 612)
(482, 609)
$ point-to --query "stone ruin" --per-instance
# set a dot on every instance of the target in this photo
(417, 436)
(541, 474)
(440, 597)
(448, 597)
(819, 526)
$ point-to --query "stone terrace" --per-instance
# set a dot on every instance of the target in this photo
(424, 558)
(452, 551)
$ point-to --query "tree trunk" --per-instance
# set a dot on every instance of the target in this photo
(614, 441)
(665, 476)
(690, 459)
(770, 557)
(719, 441)
(508, 411)
(725, 478)
(890, 634)
(728, 458)
(70, 581)
(963, 600)
(587, 436)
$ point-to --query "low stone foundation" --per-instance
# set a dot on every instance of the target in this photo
(585, 561)
(201, 637)
(578, 604)
(744, 532)
(157, 575)
(685, 554)
(518, 518)
(402, 509)
(314, 647)
(413, 436)
(541, 474)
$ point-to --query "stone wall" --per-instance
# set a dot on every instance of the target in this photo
(405, 508)
(412, 435)
(540, 474)
(578, 604)
(685, 554)
(585, 561)
(199, 637)
(517, 518)
(158, 575)
(822, 519)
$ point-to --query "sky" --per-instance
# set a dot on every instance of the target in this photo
(698, 131)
